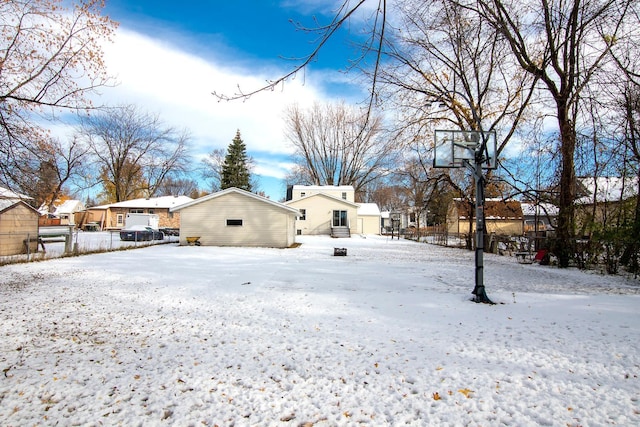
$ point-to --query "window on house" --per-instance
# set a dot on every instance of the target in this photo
(234, 222)
(151, 211)
(119, 220)
(303, 215)
(344, 196)
(136, 210)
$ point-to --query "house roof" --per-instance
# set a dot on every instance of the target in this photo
(605, 189)
(8, 199)
(164, 202)
(235, 190)
(5, 193)
(540, 209)
(70, 206)
(369, 209)
(325, 195)
(6, 204)
(66, 207)
(324, 187)
(493, 209)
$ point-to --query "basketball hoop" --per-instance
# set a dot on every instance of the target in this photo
(457, 148)
(475, 150)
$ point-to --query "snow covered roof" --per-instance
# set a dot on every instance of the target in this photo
(66, 207)
(529, 209)
(493, 209)
(325, 195)
(324, 187)
(238, 191)
(7, 203)
(69, 206)
(5, 193)
(606, 189)
(368, 209)
(164, 202)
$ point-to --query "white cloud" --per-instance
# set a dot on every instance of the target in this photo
(178, 86)
(172, 80)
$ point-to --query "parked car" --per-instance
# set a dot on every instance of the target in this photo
(140, 233)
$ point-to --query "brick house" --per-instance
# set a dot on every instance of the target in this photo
(112, 216)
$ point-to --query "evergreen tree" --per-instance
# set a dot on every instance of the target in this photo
(235, 169)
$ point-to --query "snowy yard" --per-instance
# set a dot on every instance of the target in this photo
(168, 335)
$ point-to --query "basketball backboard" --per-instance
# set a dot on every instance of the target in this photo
(455, 148)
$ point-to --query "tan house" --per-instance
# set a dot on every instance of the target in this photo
(18, 224)
(331, 210)
(235, 217)
(603, 199)
(501, 217)
(112, 216)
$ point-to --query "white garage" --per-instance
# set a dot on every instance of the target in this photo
(235, 217)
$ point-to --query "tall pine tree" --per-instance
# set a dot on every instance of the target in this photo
(235, 169)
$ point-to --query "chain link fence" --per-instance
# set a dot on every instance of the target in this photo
(27, 247)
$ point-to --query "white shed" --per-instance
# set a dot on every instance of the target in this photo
(235, 217)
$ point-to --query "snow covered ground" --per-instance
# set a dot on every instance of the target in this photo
(169, 335)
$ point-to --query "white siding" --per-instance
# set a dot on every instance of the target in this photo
(262, 223)
(334, 191)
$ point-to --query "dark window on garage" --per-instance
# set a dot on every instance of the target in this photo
(234, 222)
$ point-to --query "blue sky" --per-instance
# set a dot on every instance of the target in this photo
(168, 57)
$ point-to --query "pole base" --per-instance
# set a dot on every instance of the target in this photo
(480, 296)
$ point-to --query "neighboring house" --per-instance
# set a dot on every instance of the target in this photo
(501, 217)
(602, 199)
(385, 221)
(397, 221)
(234, 217)
(331, 210)
(65, 211)
(18, 224)
(112, 216)
(544, 214)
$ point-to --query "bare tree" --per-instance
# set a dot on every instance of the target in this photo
(445, 67)
(211, 168)
(135, 151)
(630, 103)
(66, 163)
(178, 187)
(50, 58)
(338, 145)
(563, 44)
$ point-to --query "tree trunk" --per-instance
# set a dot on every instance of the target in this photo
(565, 230)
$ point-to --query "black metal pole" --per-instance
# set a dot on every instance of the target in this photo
(479, 292)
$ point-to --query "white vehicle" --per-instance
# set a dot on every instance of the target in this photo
(146, 220)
